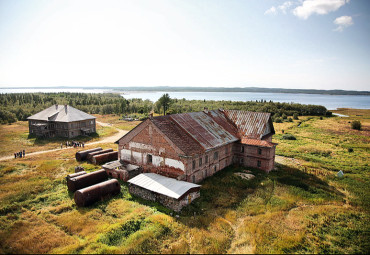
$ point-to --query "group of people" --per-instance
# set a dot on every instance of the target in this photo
(20, 154)
(73, 144)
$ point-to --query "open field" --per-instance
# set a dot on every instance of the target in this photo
(15, 137)
(302, 207)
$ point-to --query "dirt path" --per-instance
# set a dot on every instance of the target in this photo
(109, 139)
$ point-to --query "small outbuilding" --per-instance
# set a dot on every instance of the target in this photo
(167, 191)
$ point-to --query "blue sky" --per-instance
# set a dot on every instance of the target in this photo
(312, 44)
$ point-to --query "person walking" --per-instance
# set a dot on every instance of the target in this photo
(24, 153)
(15, 155)
(61, 145)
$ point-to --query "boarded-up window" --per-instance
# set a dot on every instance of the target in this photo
(215, 155)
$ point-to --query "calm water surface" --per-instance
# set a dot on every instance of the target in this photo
(331, 102)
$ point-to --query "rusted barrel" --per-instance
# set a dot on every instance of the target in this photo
(89, 195)
(75, 175)
(81, 155)
(104, 158)
(92, 154)
(86, 180)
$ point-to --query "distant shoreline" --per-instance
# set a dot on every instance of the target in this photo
(206, 89)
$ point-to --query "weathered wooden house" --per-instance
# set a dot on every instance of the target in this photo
(193, 146)
(63, 121)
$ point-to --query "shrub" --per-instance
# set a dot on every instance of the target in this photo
(289, 137)
(350, 149)
(321, 118)
(284, 116)
(290, 119)
(295, 116)
(356, 124)
(278, 120)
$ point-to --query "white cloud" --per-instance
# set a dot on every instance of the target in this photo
(272, 10)
(286, 5)
(343, 22)
(321, 7)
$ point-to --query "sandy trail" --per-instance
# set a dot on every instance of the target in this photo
(109, 139)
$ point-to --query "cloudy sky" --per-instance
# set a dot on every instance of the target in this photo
(318, 44)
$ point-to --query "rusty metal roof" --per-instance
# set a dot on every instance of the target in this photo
(256, 142)
(204, 129)
(177, 135)
(249, 124)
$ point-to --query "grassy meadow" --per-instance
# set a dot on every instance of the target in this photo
(15, 137)
(302, 207)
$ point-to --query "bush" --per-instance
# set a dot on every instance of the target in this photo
(356, 124)
(295, 116)
(321, 118)
(350, 149)
(278, 120)
(290, 119)
(284, 116)
(289, 137)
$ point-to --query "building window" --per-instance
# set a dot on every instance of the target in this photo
(225, 150)
(193, 164)
(92, 122)
(241, 161)
(200, 162)
(206, 159)
(150, 159)
(259, 163)
(193, 177)
(205, 173)
(215, 168)
(215, 155)
(242, 149)
(259, 151)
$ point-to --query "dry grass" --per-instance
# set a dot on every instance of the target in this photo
(291, 210)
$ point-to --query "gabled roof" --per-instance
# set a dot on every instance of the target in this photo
(177, 135)
(204, 129)
(163, 185)
(250, 124)
(61, 113)
(256, 142)
(196, 132)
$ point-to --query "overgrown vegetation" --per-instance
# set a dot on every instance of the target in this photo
(19, 106)
(356, 124)
(302, 207)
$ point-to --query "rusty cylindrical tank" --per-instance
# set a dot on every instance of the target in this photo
(104, 158)
(89, 195)
(81, 155)
(75, 175)
(86, 180)
(92, 154)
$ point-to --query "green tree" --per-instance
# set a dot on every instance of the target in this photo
(164, 101)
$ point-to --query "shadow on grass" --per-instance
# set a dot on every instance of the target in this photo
(43, 141)
(224, 191)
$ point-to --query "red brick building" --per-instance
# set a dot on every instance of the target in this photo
(193, 146)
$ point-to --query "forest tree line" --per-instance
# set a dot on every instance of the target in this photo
(19, 106)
